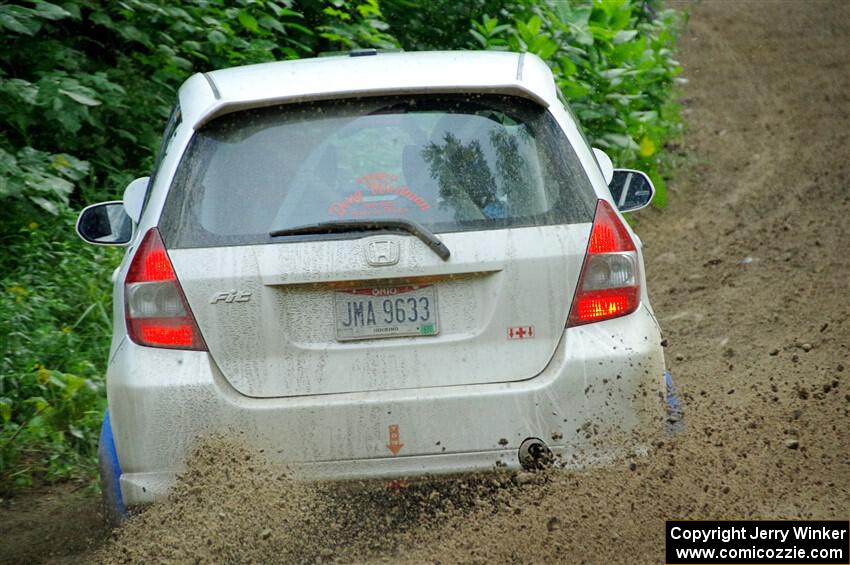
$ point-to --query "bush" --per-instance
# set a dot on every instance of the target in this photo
(86, 86)
(55, 318)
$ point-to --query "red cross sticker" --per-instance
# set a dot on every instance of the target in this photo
(521, 332)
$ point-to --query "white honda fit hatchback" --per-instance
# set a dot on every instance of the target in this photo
(380, 265)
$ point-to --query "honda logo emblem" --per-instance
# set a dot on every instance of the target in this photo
(381, 252)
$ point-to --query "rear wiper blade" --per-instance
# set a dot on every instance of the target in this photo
(342, 226)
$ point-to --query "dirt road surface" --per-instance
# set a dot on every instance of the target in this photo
(749, 273)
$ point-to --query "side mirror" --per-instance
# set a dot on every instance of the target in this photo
(134, 197)
(631, 190)
(105, 224)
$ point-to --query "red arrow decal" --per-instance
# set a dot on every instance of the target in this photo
(395, 444)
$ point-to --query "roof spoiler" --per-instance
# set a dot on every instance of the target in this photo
(221, 108)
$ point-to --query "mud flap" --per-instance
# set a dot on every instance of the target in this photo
(110, 473)
(675, 421)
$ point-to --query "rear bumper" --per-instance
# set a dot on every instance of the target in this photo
(604, 382)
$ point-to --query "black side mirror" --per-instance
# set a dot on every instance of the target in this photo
(105, 224)
(632, 190)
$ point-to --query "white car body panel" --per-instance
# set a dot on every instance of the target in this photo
(160, 404)
(608, 373)
(281, 341)
(218, 92)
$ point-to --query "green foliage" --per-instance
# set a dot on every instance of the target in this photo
(612, 60)
(86, 86)
(356, 24)
(436, 24)
(43, 179)
(55, 323)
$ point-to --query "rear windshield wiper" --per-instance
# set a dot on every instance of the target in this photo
(342, 226)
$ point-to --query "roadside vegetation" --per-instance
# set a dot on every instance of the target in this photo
(86, 87)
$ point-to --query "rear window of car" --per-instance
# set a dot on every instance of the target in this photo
(450, 162)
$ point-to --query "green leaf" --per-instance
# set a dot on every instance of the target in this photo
(13, 24)
(582, 34)
(479, 38)
(279, 11)
(69, 166)
(620, 140)
(39, 402)
(182, 63)
(216, 37)
(624, 36)
(102, 18)
(47, 205)
(613, 73)
(73, 383)
(26, 91)
(568, 68)
(248, 22)
(546, 50)
(81, 98)
(303, 29)
(573, 90)
(50, 11)
(5, 409)
(131, 33)
(269, 22)
(76, 432)
(534, 25)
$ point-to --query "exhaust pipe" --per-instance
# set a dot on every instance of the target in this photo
(534, 454)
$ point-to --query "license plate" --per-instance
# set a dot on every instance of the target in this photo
(389, 311)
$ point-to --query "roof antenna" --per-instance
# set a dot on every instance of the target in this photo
(362, 52)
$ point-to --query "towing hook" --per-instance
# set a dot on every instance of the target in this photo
(534, 454)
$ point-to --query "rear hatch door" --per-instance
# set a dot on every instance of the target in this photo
(321, 313)
(301, 319)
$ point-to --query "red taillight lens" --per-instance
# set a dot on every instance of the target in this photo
(165, 332)
(154, 304)
(157, 267)
(609, 284)
(604, 304)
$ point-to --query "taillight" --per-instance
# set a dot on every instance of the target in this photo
(154, 304)
(609, 284)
